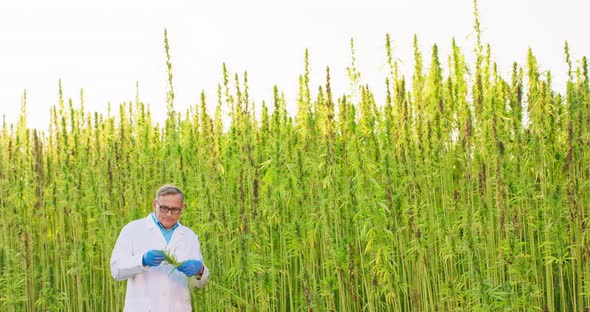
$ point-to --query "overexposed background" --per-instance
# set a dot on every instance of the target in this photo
(105, 47)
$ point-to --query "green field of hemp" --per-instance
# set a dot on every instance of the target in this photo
(461, 190)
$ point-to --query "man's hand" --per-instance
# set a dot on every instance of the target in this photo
(152, 258)
(190, 267)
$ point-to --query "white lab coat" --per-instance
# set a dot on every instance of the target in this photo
(157, 288)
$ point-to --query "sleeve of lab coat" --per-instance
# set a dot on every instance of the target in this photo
(124, 264)
(204, 280)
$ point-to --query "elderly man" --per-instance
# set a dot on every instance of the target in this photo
(153, 284)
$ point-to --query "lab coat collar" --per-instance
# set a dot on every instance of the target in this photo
(152, 225)
(179, 232)
(160, 226)
(149, 222)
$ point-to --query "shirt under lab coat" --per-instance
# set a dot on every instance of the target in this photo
(160, 288)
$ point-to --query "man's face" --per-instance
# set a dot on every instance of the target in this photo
(172, 201)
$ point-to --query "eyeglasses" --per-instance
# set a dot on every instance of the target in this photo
(165, 209)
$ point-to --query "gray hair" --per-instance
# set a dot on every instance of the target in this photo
(170, 189)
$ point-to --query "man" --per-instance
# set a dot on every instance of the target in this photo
(152, 283)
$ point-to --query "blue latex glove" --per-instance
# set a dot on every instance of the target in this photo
(190, 267)
(152, 258)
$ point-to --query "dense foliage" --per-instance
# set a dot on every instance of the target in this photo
(466, 191)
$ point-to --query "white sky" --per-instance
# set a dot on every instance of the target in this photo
(106, 46)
